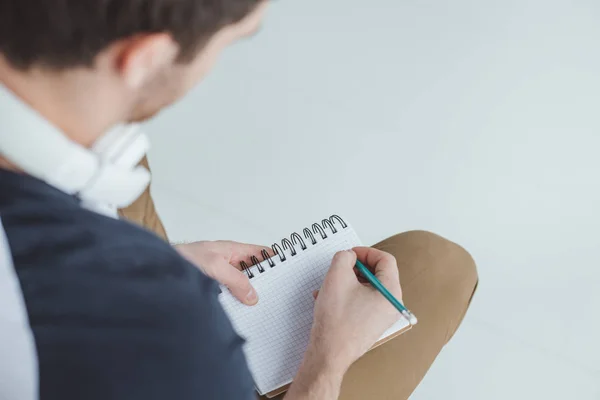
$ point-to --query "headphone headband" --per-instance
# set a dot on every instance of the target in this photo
(106, 174)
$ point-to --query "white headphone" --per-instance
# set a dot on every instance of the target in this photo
(106, 175)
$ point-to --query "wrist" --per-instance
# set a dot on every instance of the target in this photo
(332, 355)
(184, 250)
(316, 381)
(325, 362)
(319, 377)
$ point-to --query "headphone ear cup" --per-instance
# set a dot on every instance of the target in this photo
(119, 180)
(135, 152)
(123, 145)
(117, 186)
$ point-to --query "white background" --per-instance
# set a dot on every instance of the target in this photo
(479, 120)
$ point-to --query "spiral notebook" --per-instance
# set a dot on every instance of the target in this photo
(277, 329)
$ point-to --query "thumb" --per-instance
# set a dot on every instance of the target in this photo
(237, 282)
(342, 269)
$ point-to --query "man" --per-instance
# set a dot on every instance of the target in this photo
(94, 307)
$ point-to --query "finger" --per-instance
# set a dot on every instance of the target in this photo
(243, 252)
(383, 264)
(342, 269)
(237, 282)
(370, 256)
(315, 294)
(360, 276)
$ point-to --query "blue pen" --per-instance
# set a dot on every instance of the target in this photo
(364, 271)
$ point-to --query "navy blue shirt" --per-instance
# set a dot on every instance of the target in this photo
(115, 312)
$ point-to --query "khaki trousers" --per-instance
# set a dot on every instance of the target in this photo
(438, 279)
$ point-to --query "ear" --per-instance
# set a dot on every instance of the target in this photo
(141, 57)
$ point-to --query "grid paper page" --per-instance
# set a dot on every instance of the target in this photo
(277, 329)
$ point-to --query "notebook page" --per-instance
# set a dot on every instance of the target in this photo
(277, 329)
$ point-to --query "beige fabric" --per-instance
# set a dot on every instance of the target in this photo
(143, 212)
(438, 279)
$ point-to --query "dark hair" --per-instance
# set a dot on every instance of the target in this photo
(68, 33)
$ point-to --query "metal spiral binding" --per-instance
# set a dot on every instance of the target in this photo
(288, 245)
(308, 233)
(247, 269)
(266, 257)
(319, 229)
(330, 224)
(297, 239)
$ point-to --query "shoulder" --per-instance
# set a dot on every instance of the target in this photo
(117, 313)
(62, 251)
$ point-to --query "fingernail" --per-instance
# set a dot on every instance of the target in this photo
(252, 297)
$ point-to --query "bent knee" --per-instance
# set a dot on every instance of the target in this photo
(434, 252)
(439, 278)
(449, 256)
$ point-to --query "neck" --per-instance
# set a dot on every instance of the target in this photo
(82, 104)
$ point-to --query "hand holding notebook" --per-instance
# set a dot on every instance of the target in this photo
(349, 316)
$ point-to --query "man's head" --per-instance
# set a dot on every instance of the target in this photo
(141, 55)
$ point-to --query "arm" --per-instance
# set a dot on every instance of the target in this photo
(349, 319)
(316, 379)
